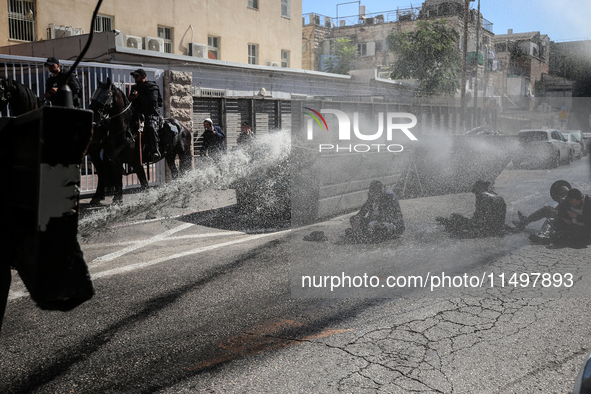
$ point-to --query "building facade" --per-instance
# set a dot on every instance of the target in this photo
(241, 31)
(369, 33)
(523, 58)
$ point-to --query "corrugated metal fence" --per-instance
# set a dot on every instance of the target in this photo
(264, 116)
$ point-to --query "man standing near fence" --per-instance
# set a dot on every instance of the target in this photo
(214, 140)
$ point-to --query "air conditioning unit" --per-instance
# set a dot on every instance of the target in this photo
(274, 64)
(133, 42)
(64, 31)
(197, 50)
(155, 44)
(119, 38)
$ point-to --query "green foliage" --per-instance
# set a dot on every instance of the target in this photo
(345, 54)
(429, 55)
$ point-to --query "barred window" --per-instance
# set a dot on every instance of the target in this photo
(103, 23)
(166, 33)
(21, 20)
(253, 4)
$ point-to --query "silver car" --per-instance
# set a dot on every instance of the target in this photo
(575, 145)
(542, 148)
(580, 137)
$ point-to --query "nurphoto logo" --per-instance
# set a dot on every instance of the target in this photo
(391, 120)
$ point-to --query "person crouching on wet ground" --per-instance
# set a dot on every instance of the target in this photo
(574, 218)
(488, 219)
(214, 140)
(558, 192)
(380, 217)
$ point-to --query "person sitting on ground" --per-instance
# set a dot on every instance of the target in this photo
(380, 217)
(214, 140)
(488, 218)
(574, 217)
(558, 192)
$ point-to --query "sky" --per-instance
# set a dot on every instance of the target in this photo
(561, 20)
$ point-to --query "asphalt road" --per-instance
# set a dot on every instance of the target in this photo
(195, 304)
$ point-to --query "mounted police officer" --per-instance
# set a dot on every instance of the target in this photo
(145, 100)
(58, 78)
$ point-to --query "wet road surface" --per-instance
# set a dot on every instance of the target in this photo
(182, 307)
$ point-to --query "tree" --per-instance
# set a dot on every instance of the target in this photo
(430, 55)
(345, 53)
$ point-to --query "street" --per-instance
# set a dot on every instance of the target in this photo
(194, 304)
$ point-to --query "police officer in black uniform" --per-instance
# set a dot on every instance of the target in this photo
(146, 99)
(58, 78)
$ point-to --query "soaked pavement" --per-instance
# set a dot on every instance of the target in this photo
(188, 303)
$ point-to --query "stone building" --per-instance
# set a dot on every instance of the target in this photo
(506, 64)
(523, 58)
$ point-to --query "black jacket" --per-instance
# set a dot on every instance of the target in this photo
(565, 206)
(73, 83)
(148, 99)
(213, 143)
(388, 209)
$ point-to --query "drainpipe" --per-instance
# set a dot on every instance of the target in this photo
(477, 52)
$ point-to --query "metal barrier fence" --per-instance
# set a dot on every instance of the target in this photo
(30, 72)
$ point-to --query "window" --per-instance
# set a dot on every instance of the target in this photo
(253, 54)
(166, 33)
(253, 4)
(284, 58)
(21, 20)
(362, 50)
(103, 23)
(285, 8)
(213, 47)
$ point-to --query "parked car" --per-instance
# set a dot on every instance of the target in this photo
(575, 145)
(542, 148)
(580, 137)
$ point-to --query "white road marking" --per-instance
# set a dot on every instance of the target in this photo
(133, 267)
(178, 237)
(140, 244)
(15, 294)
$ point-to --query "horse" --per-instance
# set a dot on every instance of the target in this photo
(19, 96)
(121, 146)
(22, 100)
